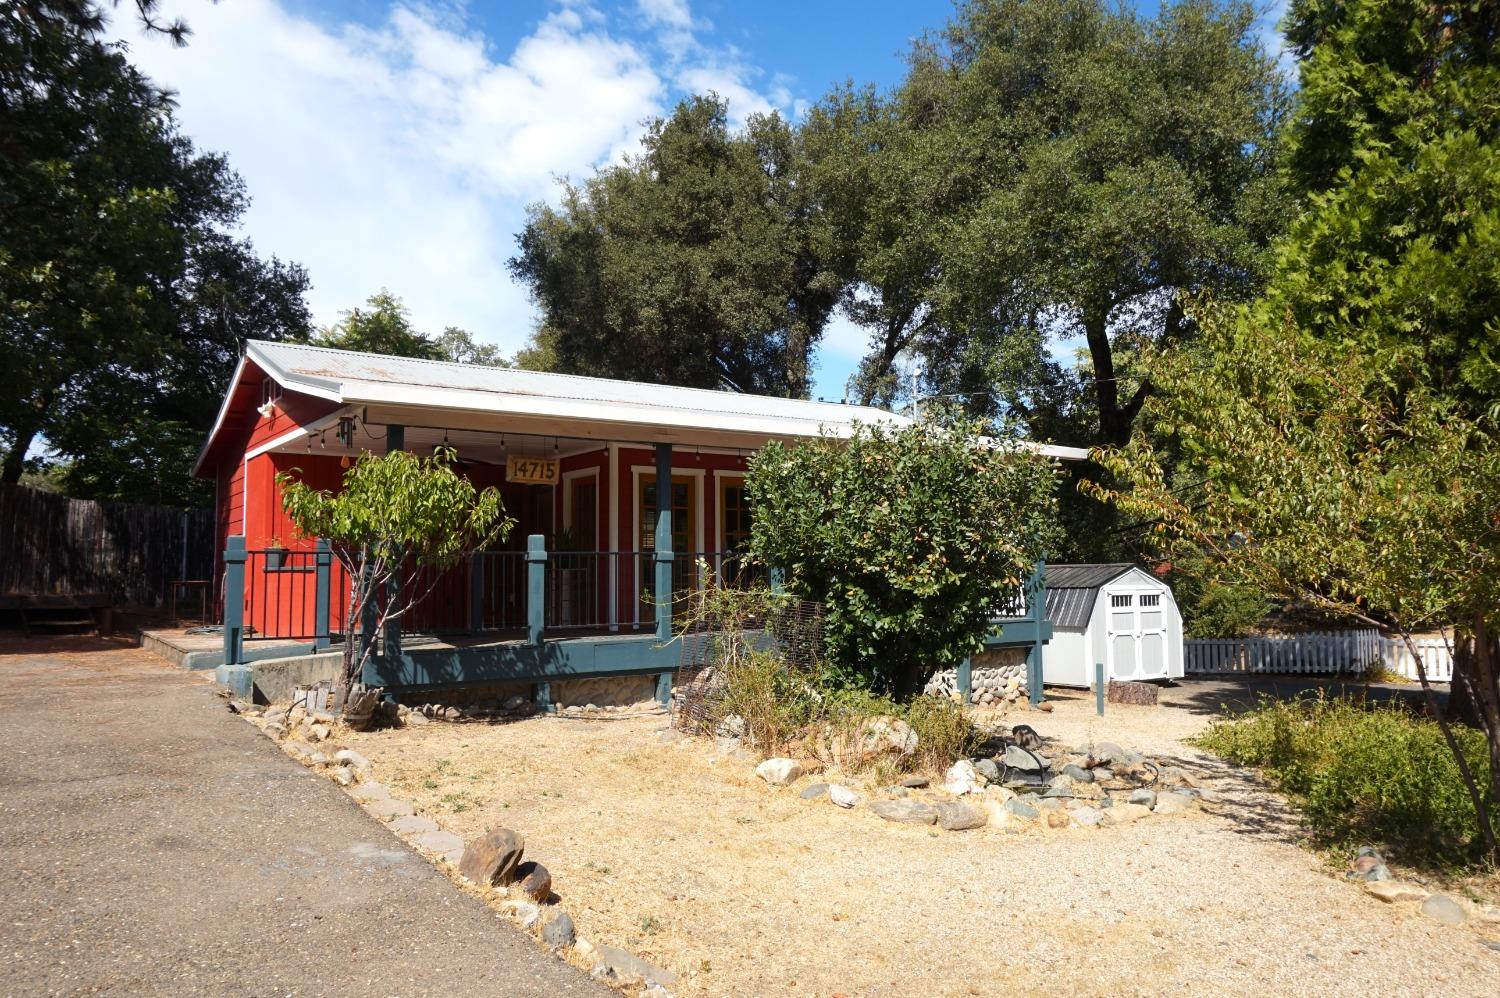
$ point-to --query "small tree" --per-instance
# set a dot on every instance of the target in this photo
(912, 538)
(1338, 477)
(397, 515)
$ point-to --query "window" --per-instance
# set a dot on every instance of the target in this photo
(1126, 600)
(1151, 599)
(585, 514)
(736, 511)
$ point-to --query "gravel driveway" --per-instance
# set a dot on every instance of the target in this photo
(153, 843)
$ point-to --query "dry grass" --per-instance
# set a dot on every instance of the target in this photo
(692, 862)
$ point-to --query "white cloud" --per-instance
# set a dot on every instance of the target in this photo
(402, 155)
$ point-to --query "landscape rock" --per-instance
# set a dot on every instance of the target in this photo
(1376, 873)
(1057, 819)
(915, 782)
(988, 769)
(275, 729)
(1363, 864)
(353, 759)
(515, 702)
(1145, 798)
(493, 857)
(1018, 758)
(414, 719)
(1172, 804)
(367, 792)
(557, 930)
(1087, 816)
(1109, 752)
(1394, 890)
(1021, 809)
(1124, 814)
(1442, 908)
(875, 736)
(344, 776)
(1103, 774)
(438, 841)
(524, 913)
(1077, 773)
(389, 807)
(619, 967)
(813, 791)
(842, 796)
(959, 817)
(779, 772)
(413, 824)
(961, 778)
(534, 881)
(910, 812)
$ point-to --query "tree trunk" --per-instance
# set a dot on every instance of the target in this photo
(15, 458)
(1113, 431)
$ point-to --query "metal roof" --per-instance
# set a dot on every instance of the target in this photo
(1083, 576)
(1072, 590)
(350, 377)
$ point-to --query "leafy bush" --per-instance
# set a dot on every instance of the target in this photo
(1364, 773)
(911, 539)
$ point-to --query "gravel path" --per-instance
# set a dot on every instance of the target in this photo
(692, 862)
(153, 843)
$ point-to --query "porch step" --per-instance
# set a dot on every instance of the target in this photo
(36, 620)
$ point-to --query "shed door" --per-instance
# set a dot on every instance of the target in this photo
(1137, 636)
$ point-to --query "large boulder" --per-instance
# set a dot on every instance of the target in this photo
(1019, 758)
(962, 778)
(535, 881)
(492, 858)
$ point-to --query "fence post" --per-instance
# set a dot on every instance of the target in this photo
(322, 594)
(234, 600)
(1036, 609)
(965, 679)
(1099, 687)
(476, 592)
(536, 587)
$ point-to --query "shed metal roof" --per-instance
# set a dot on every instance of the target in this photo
(1072, 590)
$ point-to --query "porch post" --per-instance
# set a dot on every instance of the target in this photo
(322, 593)
(395, 439)
(476, 591)
(234, 673)
(536, 587)
(664, 562)
(664, 541)
(234, 600)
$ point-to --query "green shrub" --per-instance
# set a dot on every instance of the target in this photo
(1364, 773)
(910, 538)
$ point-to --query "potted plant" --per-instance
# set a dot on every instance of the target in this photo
(276, 552)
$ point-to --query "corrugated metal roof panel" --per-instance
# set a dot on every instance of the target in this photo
(1083, 576)
(1070, 608)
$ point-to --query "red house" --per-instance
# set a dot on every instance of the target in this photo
(589, 467)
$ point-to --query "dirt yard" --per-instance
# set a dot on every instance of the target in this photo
(692, 862)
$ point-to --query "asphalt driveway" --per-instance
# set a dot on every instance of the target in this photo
(153, 843)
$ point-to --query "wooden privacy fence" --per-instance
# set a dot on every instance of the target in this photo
(51, 545)
(1318, 653)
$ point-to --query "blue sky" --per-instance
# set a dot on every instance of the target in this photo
(397, 144)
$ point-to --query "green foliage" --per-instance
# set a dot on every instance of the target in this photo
(911, 538)
(396, 514)
(1050, 169)
(123, 297)
(698, 263)
(1395, 144)
(1364, 773)
(383, 327)
(1214, 604)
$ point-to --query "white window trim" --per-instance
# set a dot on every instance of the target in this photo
(720, 477)
(568, 478)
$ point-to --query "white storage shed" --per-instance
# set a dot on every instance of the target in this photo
(1116, 614)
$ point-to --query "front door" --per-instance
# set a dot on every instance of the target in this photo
(684, 517)
(1137, 636)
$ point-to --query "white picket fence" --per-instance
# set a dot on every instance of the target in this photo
(1318, 653)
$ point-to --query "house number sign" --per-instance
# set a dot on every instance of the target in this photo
(531, 470)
